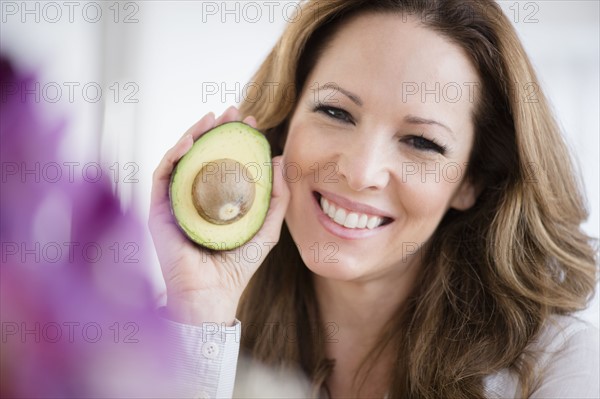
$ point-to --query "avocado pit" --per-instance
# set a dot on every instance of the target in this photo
(222, 191)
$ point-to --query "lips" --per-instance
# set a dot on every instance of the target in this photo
(350, 215)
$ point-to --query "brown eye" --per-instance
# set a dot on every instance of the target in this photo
(334, 113)
(423, 144)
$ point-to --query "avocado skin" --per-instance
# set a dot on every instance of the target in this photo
(197, 236)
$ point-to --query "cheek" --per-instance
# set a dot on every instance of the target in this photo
(304, 151)
(428, 192)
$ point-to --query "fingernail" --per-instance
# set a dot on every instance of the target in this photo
(184, 138)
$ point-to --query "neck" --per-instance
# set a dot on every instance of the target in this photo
(362, 308)
(354, 313)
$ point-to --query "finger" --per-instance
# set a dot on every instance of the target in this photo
(202, 126)
(162, 174)
(231, 114)
(250, 120)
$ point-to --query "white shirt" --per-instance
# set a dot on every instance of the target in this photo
(206, 357)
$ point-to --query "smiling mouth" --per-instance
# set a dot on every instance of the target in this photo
(348, 218)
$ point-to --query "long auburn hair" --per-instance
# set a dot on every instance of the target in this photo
(491, 275)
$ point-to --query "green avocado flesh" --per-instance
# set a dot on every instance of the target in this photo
(221, 188)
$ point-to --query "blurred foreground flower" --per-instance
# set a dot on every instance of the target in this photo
(76, 305)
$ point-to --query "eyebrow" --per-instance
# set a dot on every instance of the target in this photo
(334, 86)
(416, 120)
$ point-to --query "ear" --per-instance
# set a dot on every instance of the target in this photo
(465, 196)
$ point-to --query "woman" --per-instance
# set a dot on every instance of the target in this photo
(419, 257)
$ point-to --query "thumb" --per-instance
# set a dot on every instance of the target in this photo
(280, 198)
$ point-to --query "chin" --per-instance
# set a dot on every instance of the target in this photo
(332, 264)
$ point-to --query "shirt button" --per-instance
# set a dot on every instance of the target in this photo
(210, 350)
(204, 395)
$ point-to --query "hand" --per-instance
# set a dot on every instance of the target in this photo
(205, 286)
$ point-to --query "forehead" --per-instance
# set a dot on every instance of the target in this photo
(389, 59)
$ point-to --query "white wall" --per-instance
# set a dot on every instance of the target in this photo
(163, 53)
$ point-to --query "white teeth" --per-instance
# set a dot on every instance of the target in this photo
(340, 216)
(362, 222)
(373, 222)
(324, 204)
(331, 211)
(350, 220)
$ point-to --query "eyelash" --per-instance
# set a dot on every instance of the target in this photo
(418, 142)
(326, 109)
(427, 144)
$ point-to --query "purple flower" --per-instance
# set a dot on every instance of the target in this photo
(77, 309)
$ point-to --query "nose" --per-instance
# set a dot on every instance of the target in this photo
(362, 163)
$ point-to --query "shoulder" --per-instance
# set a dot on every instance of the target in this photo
(566, 344)
(566, 362)
(562, 335)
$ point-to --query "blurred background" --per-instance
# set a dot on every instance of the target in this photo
(129, 77)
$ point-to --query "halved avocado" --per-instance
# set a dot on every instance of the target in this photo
(220, 189)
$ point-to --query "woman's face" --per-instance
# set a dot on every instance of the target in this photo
(380, 139)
